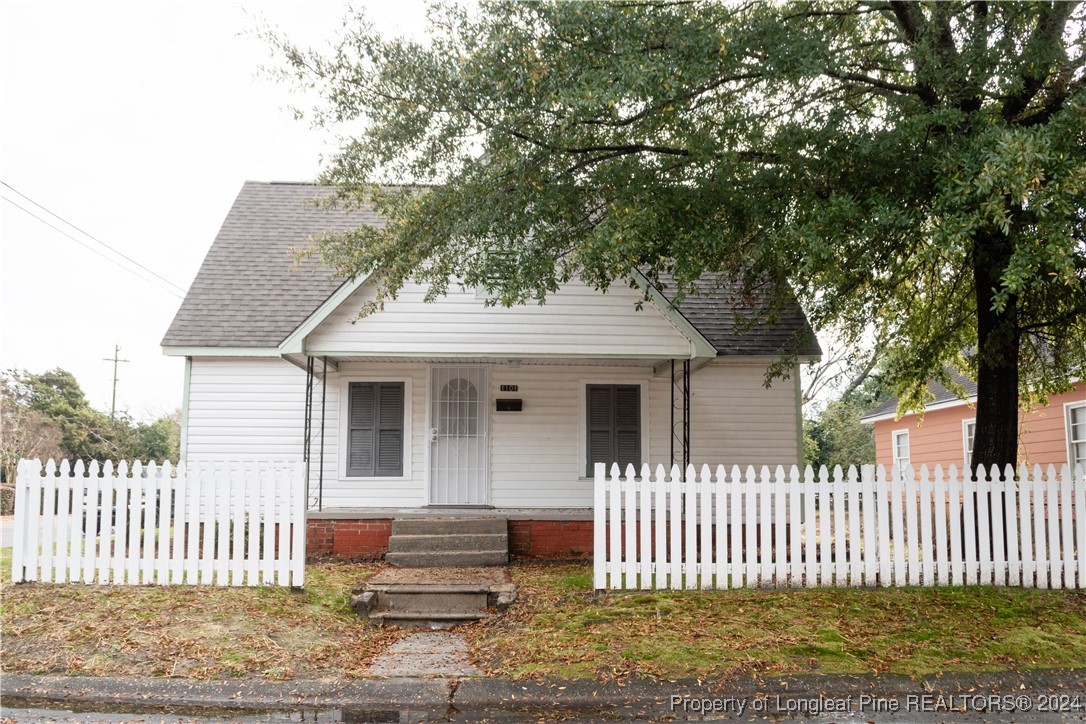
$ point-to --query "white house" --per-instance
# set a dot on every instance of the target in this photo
(424, 406)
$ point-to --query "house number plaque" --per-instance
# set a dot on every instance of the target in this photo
(510, 388)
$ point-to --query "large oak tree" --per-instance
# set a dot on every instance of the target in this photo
(915, 171)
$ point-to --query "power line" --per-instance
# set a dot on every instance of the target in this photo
(92, 237)
(88, 247)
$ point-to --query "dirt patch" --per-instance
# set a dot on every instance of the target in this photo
(492, 576)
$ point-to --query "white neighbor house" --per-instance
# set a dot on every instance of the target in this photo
(421, 406)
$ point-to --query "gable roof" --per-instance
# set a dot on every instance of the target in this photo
(943, 396)
(246, 295)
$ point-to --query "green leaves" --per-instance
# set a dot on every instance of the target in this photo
(858, 150)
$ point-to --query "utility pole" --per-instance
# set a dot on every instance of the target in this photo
(114, 359)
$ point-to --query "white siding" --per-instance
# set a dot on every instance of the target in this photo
(575, 321)
(252, 409)
(245, 409)
(736, 420)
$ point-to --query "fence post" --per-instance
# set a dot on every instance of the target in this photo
(599, 530)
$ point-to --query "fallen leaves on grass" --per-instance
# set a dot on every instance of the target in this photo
(558, 629)
(198, 632)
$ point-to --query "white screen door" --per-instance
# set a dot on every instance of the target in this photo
(459, 449)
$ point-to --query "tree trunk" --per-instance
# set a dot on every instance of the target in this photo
(995, 440)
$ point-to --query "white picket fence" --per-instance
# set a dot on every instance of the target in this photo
(748, 528)
(218, 523)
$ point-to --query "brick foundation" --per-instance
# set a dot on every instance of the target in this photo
(368, 538)
(353, 538)
(554, 539)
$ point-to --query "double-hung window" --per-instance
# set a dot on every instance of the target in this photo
(969, 431)
(613, 416)
(901, 449)
(1076, 435)
(375, 429)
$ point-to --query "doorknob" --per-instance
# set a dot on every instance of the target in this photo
(433, 434)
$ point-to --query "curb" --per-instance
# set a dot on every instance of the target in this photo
(630, 699)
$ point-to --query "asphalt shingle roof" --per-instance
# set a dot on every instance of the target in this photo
(246, 295)
(942, 394)
(720, 311)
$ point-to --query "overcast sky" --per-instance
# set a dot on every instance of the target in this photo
(138, 123)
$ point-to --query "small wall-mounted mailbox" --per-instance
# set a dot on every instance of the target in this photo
(506, 405)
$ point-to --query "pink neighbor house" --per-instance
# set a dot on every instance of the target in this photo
(1054, 434)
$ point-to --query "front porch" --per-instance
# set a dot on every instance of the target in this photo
(363, 533)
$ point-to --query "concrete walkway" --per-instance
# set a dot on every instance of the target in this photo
(426, 655)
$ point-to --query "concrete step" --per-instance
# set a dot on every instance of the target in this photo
(466, 542)
(432, 599)
(447, 526)
(431, 620)
(448, 559)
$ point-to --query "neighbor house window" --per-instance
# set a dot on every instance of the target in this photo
(901, 449)
(969, 430)
(1076, 435)
(613, 417)
(375, 429)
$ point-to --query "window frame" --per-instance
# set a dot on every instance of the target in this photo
(582, 419)
(894, 435)
(344, 427)
(967, 441)
(1068, 407)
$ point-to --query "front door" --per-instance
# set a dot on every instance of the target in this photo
(459, 446)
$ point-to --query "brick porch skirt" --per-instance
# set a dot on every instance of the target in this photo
(367, 538)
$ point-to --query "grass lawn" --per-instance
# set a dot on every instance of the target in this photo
(557, 630)
(187, 631)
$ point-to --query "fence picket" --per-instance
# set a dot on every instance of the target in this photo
(810, 529)
(629, 499)
(1025, 515)
(735, 505)
(969, 527)
(1052, 504)
(780, 524)
(282, 516)
(983, 525)
(941, 503)
(750, 525)
(1040, 530)
(295, 473)
(675, 576)
(1067, 527)
(912, 534)
(721, 527)
(645, 527)
(63, 522)
(927, 542)
(705, 528)
(690, 528)
(795, 545)
(1014, 564)
(90, 517)
(236, 497)
(599, 520)
(267, 551)
(1079, 475)
(614, 555)
(955, 511)
(997, 528)
(853, 545)
(660, 570)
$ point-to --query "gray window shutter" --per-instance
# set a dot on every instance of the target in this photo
(390, 429)
(375, 429)
(614, 425)
(361, 425)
